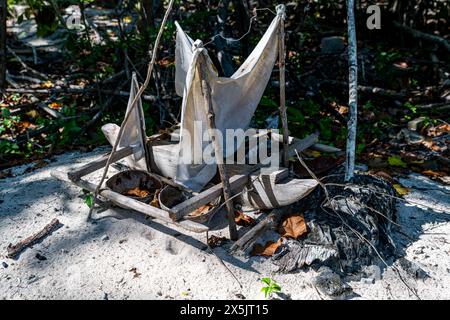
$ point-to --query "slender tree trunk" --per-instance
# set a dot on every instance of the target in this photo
(352, 91)
(147, 18)
(3, 13)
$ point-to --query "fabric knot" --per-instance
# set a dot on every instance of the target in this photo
(281, 10)
(197, 44)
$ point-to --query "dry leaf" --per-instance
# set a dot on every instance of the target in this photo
(155, 201)
(55, 105)
(401, 190)
(201, 211)
(137, 192)
(128, 19)
(47, 85)
(433, 174)
(267, 250)
(383, 174)
(242, 219)
(293, 227)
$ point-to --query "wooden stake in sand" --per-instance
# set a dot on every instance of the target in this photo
(282, 65)
(206, 91)
(133, 103)
(14, 250)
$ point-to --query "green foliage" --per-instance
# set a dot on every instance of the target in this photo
(7, 121)
(88, 198)
(411, 107)
(396, 161)
(270, 287)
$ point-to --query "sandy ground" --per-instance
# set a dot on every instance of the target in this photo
(124, 256)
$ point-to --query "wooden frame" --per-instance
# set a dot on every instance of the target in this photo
(177, 214)
(229, 184)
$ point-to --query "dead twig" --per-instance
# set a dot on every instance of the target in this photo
(14, 250)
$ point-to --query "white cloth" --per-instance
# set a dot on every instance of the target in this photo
(234, 99)
(134, 131)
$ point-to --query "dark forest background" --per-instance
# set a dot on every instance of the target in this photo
(58, 92)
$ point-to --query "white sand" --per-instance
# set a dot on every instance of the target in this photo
(93, 261)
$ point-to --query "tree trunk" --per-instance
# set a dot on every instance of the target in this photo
(3, 13)
(147, 18)
(352, 91)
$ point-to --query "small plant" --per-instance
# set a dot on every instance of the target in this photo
(89, 199)
(271, 287)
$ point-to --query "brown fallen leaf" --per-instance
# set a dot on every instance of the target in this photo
(293, 227)
(242, 219)
(267, 250)
(155, 201)
(201, 211)
(433, 174)
(137, 192)
(383, 174)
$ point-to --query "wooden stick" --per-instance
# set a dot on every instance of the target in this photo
(271, 222)
(99, 163)
(250, 237)
(14, 250)
(179, 211)
(129, 203)
(282, 66)
(134, 102)
(206, 91)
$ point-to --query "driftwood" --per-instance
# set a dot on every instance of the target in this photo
(248, 239)
(271, 222)
(14, 250)
(129, 203)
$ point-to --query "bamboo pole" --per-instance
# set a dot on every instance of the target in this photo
(282, 66)
(352, 91)
(218, 154)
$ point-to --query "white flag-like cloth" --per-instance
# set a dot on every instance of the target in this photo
(134, 131)
(234, 99)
